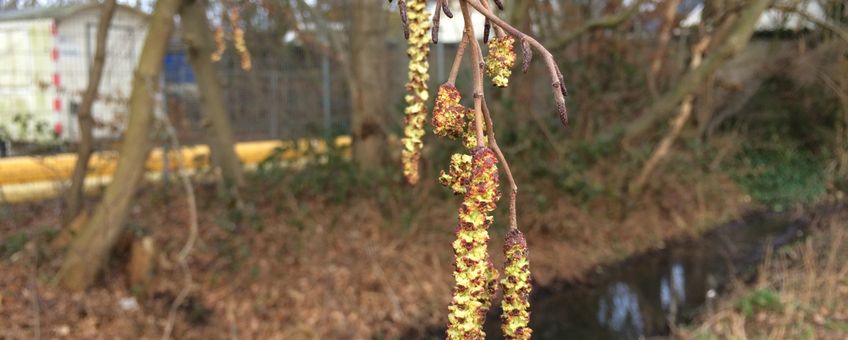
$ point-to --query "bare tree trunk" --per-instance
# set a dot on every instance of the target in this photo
(734, 42)
(841, 89)
(90, 248)
(74, 198)
(198, 37)
(367, 84)
(676, 125)
(669, 22)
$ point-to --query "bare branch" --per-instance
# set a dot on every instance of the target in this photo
(693, 79)
(553, 70)
(605, 22)
(182, 257)
(841, 31)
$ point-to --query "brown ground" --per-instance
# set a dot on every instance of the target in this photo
(359, 268)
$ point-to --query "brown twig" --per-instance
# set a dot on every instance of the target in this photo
(834, 27)
(182, 257)
(460, 51)
(477, 72)
(556, 76)
(493, 143)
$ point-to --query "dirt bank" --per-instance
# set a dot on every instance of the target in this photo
(318, 267)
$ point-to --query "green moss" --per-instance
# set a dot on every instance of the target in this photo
(760, 300)
(781, 177)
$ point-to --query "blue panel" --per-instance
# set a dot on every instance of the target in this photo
(177, 69)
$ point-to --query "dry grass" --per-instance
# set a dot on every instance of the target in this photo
(801, 293)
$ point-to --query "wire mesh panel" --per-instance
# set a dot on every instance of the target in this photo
(277, 102)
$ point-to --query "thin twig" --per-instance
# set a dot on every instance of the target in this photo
(182, 257)
(457, 60)
(477, 72)
(556, 76)
(839, 30)
(493, 143)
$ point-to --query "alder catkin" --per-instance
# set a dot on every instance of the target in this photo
(458, 174)
(220, 44)
(500, 60)
(472, 272)
(448, 115)
(416, 88)
(516, 288)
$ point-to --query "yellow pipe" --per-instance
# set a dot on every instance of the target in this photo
(24, 179)
(59, 167)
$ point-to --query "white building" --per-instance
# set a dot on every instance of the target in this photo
(45, 57)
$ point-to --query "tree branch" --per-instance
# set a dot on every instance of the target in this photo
(605, 22)
(556, 76)
(477, 72)
(736, 41)
(842, 32)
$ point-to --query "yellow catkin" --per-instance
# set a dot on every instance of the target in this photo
(492, 276)
(500, 60)
(448, 115)
(238, 39)
(220, 44)
(458, 174)
(516, 288)
(469, 136)
(472, 271)
(416, 88)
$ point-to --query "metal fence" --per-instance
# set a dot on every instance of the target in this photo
(268, 102)
(302, 95)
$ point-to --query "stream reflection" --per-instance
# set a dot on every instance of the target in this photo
(643, 295)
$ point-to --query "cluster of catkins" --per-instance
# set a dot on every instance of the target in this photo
(416, 88)
(475, 177)
(238, 40)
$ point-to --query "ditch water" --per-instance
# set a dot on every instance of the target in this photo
(643, 295)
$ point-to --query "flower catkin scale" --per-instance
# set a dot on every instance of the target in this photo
(448, 114)
(416, 87)
(472, 273)
(458, 174)
(500, 60)
(220, 44)
(516, 288)
(469, 137)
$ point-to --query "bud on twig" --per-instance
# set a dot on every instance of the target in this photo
(500, 5)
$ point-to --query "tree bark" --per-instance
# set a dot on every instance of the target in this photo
(367, 83)
(198, 37)
(669, 22)
(734, 42)
(90, 249)
(74, 196)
